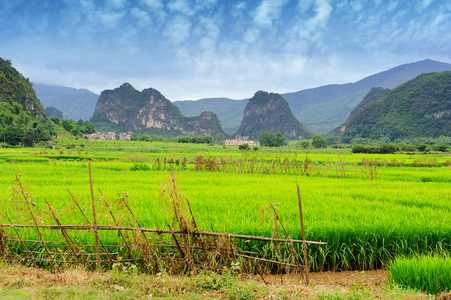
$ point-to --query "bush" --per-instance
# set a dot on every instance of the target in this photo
(359, 148)
(243, 147)
(319, 141)
(388, 148)
(441, 148)
(421, 147)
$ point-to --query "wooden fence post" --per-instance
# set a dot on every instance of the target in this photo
(2, 245)
(96, 233)
(303, 237)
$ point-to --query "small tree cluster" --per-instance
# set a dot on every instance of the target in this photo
(21, 130)
(271, 139)
(75, 128)
(195, 139)
(319, 141)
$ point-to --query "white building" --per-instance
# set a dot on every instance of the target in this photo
(239, 141)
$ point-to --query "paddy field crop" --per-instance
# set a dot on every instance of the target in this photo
(368, 208)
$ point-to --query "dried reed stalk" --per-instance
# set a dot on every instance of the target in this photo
(94, 226)
(303, 237)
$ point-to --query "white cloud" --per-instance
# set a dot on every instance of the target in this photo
(109, 20)
(178, 29)
(251, 35)
(238, 9)
(181, 6)
(153, 4)
(114, 4)
(425, 3)
(392, 6)
(205, 4)
(304, 5)
(357, 5)
(142, 16)
(313, 28)
(268, 11)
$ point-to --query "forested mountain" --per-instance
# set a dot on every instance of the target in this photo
(22, 117)
(126, 109)
(75, 104)
(270, 112)
(53, 112)
(420, 107)
(229, 111)
(323, 108)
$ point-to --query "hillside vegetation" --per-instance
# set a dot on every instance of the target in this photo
(22, 117)
(420, 107)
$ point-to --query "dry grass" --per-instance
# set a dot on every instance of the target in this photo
(19, 282)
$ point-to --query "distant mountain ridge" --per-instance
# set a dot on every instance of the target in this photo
(127, 109)
(320, 109)
(229, 111)
(323, 108)
(270, 112)
(74, 103)
(421, 107)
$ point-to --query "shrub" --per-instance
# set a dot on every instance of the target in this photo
(441, 148)
(243, 147)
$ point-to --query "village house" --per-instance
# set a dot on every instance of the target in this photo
(110, 136)
(241, 141)
(124, 136)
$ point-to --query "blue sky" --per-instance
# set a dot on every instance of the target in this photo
(218, 48)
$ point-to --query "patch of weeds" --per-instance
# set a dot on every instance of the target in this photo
(357, 291)
(228, 284)
(238, 291)
(211, 282)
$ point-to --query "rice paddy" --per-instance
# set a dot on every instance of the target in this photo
(368, 214)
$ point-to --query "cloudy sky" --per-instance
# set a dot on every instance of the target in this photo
(191, 49)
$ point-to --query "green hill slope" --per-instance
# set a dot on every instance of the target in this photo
(22, 117)
(322, 108)
(420, 107)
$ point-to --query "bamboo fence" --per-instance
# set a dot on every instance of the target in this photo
(184, 247)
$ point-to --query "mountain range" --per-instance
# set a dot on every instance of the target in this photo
(75, 104)
(418, 108)
(128, 110)
(320, 109)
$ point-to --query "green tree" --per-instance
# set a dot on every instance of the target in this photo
(304, 144)
(219, 138)
(271, 139)
(319, 141)
(243, 147)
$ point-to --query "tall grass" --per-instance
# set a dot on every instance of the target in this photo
(428, 273)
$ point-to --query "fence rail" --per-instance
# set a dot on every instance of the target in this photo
(185, 247)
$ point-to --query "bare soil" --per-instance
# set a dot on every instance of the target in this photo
(35, 283)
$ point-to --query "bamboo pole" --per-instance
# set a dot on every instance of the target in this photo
(87, 227)
(35, 221)
(94, 226)
(168, 231)
(117, 224)
(2, 245)
(139, 229)
(69, 241)
(303, 237)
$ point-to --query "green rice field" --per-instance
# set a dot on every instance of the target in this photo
(368, 208)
